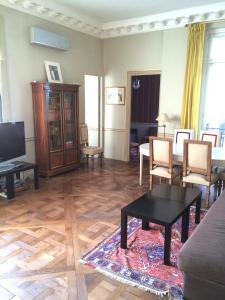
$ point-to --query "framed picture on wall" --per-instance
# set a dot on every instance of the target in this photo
(115, 95)
(53, 71)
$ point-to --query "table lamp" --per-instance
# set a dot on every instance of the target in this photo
(162, 118)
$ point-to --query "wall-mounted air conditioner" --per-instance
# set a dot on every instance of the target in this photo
(46, 38)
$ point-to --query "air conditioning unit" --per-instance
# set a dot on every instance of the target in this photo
(39, 36)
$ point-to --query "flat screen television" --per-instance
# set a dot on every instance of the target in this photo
(12, 140)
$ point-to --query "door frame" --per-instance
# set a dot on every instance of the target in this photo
(128, 106)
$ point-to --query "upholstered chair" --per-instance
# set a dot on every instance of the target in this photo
(85, 148)
(183, 134)
(197, 165)
(161, 159)
(211, 136)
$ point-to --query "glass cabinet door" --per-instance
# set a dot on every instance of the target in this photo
(69, 120)
(55, 121)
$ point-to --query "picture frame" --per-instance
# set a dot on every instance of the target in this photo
(53, 72)
(115, 95)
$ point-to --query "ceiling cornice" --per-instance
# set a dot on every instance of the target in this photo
(63, 16)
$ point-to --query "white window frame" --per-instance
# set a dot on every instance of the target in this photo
(210, 33)
(1, 116)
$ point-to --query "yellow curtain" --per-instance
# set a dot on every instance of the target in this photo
(192, 85)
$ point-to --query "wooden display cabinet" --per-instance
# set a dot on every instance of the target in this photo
(56, 122)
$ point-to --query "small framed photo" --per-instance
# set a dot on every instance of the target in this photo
(115, 95)
(53, 71)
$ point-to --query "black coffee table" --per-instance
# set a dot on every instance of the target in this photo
(164, 205)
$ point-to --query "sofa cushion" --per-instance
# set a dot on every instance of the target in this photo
(203, 254)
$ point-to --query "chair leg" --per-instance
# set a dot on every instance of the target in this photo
(207, 196)
(216, 190)
(219, 187)
(137, 151)
(87, 157)
(92, 161)
(101, 158)
(160, 180)
(150, 183)
(184, 184)
(170, 180)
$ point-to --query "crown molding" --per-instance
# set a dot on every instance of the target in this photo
(56, 13)
(63, 16)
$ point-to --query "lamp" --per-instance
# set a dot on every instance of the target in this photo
(136, 83)
(162, 118)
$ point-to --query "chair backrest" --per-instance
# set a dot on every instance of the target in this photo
(183, 134)
(197, 157)
(211, 136)
(83, 134)
(161, 152)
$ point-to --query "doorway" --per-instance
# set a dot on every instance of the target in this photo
(144, 91)
(93, 108)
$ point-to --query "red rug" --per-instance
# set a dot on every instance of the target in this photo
(141, 265)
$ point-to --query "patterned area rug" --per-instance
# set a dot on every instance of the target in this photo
(141, 265)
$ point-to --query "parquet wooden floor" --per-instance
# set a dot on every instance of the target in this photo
(43, 234)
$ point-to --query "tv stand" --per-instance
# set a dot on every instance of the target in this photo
(6, 168)
(9, 174)
(18, 163)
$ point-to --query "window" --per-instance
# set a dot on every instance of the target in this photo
(213, 81)
(0, 92)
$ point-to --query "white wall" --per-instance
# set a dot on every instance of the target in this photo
(162, 50)
(131, 53)
(25, 62)
(113, 58)
(173, 73)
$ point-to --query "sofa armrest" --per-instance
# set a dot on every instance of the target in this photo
(204, 252)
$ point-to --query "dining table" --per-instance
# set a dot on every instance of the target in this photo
(218, 155)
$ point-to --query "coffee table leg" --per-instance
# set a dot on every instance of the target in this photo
(145, 225)
(185, 225)
(167, 245)
(123, 242)
(198, 210)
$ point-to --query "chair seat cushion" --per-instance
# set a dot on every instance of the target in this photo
(164, 172)
(92, 150)
(200, 179)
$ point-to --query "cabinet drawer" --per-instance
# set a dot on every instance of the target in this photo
(70, 156)
(56, 159)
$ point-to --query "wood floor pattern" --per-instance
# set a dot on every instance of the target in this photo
(44, 233)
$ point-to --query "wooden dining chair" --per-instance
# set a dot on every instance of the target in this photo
(197, 165)
(183, 134)
(84, 145)
(211, 136)
(161, 159)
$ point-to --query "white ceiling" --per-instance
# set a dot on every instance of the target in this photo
(111, 18)
(116, 10)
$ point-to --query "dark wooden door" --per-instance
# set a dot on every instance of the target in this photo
(145, 104)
